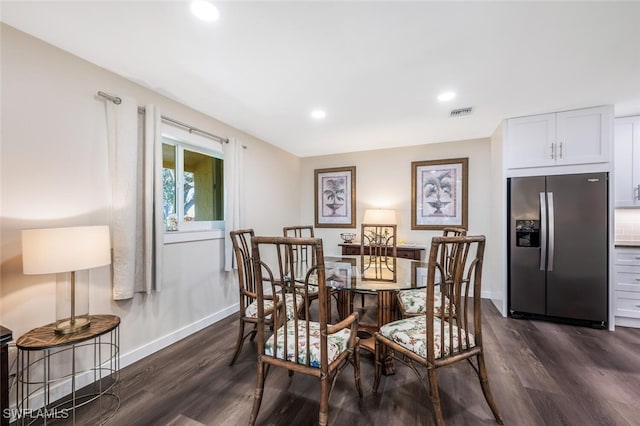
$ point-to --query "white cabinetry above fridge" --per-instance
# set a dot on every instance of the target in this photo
(562, 138)
(627, 161)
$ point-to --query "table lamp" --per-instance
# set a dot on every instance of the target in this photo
(66, 250)
(379, 217)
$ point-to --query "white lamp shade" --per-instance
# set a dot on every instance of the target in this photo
(379, 217)
(55, 250)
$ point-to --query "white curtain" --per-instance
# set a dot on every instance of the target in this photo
(122, 131)
(133, 162)
(233, 171)
(153, 231)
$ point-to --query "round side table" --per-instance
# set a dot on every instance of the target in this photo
(58, 375)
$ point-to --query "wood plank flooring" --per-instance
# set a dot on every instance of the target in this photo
(541, 373)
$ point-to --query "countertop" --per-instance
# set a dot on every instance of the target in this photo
(5, 334)
(622, 243)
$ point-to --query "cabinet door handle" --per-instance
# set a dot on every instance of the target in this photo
(560, 153)
(638, 192)
(553, 151)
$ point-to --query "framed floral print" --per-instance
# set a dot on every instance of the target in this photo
(335, 197)
(439, 193)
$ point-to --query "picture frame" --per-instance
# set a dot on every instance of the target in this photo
(341, 273)
(439, 193)
(335, 197)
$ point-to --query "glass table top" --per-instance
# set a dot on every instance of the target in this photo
(372, 274)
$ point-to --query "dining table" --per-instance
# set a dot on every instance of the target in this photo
(382, 276)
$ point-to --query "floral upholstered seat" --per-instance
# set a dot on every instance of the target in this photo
(411, 333)
(252, 310)
(336, 343)
(413, 302)
(312, 290)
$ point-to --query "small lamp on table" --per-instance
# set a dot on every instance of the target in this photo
(67, 250)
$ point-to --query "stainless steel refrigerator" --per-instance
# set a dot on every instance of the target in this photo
(558, 247)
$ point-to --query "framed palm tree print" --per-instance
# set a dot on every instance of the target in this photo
(439, 193)
(335, 197)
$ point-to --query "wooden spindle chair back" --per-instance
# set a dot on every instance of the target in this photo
(241, 240)
(300, 253)
(378, 252)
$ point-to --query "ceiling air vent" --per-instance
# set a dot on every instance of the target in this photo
(460, 112)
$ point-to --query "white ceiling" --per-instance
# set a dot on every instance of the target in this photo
(376, 67)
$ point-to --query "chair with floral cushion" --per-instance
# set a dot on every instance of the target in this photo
(412, 302)
(378, 252)
(302, 256)
(300, 345)
(299, 231)
(433, 341)
(241, 240)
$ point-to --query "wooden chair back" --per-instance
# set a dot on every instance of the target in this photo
(269, 275)
(452, 231)
(301, 231)
(241, 240)
(460, 324)
(378, 252)
(449, 252)
(379, 240)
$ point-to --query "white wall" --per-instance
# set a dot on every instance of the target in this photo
(383, 179)
(54, 173)
(498, 252)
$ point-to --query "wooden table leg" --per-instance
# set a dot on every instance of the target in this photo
(345, 303)
(387, 312)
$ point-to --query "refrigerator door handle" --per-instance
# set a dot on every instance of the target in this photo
(543, 231)
(551, 230)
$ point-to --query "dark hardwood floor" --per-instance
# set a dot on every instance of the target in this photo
(541, 373)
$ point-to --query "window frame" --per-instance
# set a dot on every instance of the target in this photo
(181, 140)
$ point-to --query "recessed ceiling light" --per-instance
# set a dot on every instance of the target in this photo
(205, 10)
(318, 114)
(446, 96)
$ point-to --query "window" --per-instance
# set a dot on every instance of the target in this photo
(193, 186)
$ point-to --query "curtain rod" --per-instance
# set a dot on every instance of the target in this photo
(116, 100)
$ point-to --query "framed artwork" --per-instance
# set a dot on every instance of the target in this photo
(439, 193)
(335, 197)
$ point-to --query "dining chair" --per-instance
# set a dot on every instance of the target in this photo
(241, 240)
(300, 231)
(299, 345)
(302, 255)
(378, 240)
(433, 341)
(378, 253)
(412, 302)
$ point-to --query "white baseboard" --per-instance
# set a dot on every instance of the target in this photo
(485, 295)
(175, 336)
(63, 388)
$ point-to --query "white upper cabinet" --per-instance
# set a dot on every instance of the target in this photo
(627, 161)
(530, 141)
(558, 139)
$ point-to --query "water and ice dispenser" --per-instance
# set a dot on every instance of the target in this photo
(527, 233)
